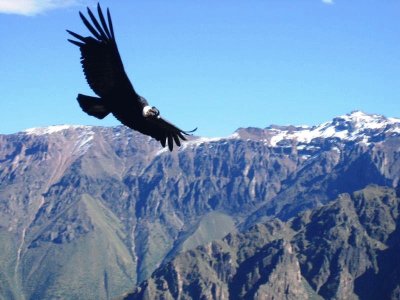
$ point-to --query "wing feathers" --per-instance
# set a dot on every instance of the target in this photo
(75, 35)
(76, 43)
(110, 24)
(163, 141)
(169, 132)
(103, 22)
(170, 142)
(176, 139)
(101, 62)
(181, 135)
(103, 35)
(90, 27)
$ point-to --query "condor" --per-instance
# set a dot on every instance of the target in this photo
(105, 74)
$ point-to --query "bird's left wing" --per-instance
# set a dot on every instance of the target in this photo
(100, 58)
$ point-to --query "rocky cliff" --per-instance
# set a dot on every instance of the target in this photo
(346, 249)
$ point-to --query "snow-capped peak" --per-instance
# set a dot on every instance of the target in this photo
(351, 127)
(82, 136)
(54, 129)
(372, 121)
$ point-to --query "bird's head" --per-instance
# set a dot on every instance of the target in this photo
(150, 112)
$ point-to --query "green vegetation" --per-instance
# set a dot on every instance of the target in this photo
(213, 226)
(97, 265)
(9, 284)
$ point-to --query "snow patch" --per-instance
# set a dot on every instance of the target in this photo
(84, 144)
(203, 140)
(53, 129)
(195, 142)
(85, 135)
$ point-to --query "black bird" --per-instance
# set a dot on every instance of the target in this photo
(105, 74)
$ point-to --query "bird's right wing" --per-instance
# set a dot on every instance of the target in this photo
(100, 58)
(165, 132)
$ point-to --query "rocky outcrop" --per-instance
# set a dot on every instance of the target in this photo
(342, 250)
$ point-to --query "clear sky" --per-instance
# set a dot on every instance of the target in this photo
(215, 65)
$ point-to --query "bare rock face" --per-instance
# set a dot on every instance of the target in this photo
(91, 212)
(234, 268)
(331, 252)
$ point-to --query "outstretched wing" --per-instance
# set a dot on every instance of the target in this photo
(100, 58)
(166, 132)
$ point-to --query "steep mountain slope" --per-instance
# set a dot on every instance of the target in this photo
(50, 219)
(342, 250)
(99, 209)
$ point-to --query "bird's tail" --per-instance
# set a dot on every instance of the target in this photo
(93, 106)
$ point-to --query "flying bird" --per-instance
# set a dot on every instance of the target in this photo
(105, 74)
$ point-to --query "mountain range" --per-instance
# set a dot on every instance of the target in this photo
(94, 213)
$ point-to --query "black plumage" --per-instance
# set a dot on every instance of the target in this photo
(105, 74)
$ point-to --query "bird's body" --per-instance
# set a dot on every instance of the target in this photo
(105, 74)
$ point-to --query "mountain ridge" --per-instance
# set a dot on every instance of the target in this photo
(355, 126)
(65, 189)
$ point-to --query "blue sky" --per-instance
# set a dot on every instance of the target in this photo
(215, 65)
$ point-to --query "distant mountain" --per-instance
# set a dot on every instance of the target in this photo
(89, 212)
(347, 249)
(356, 126)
